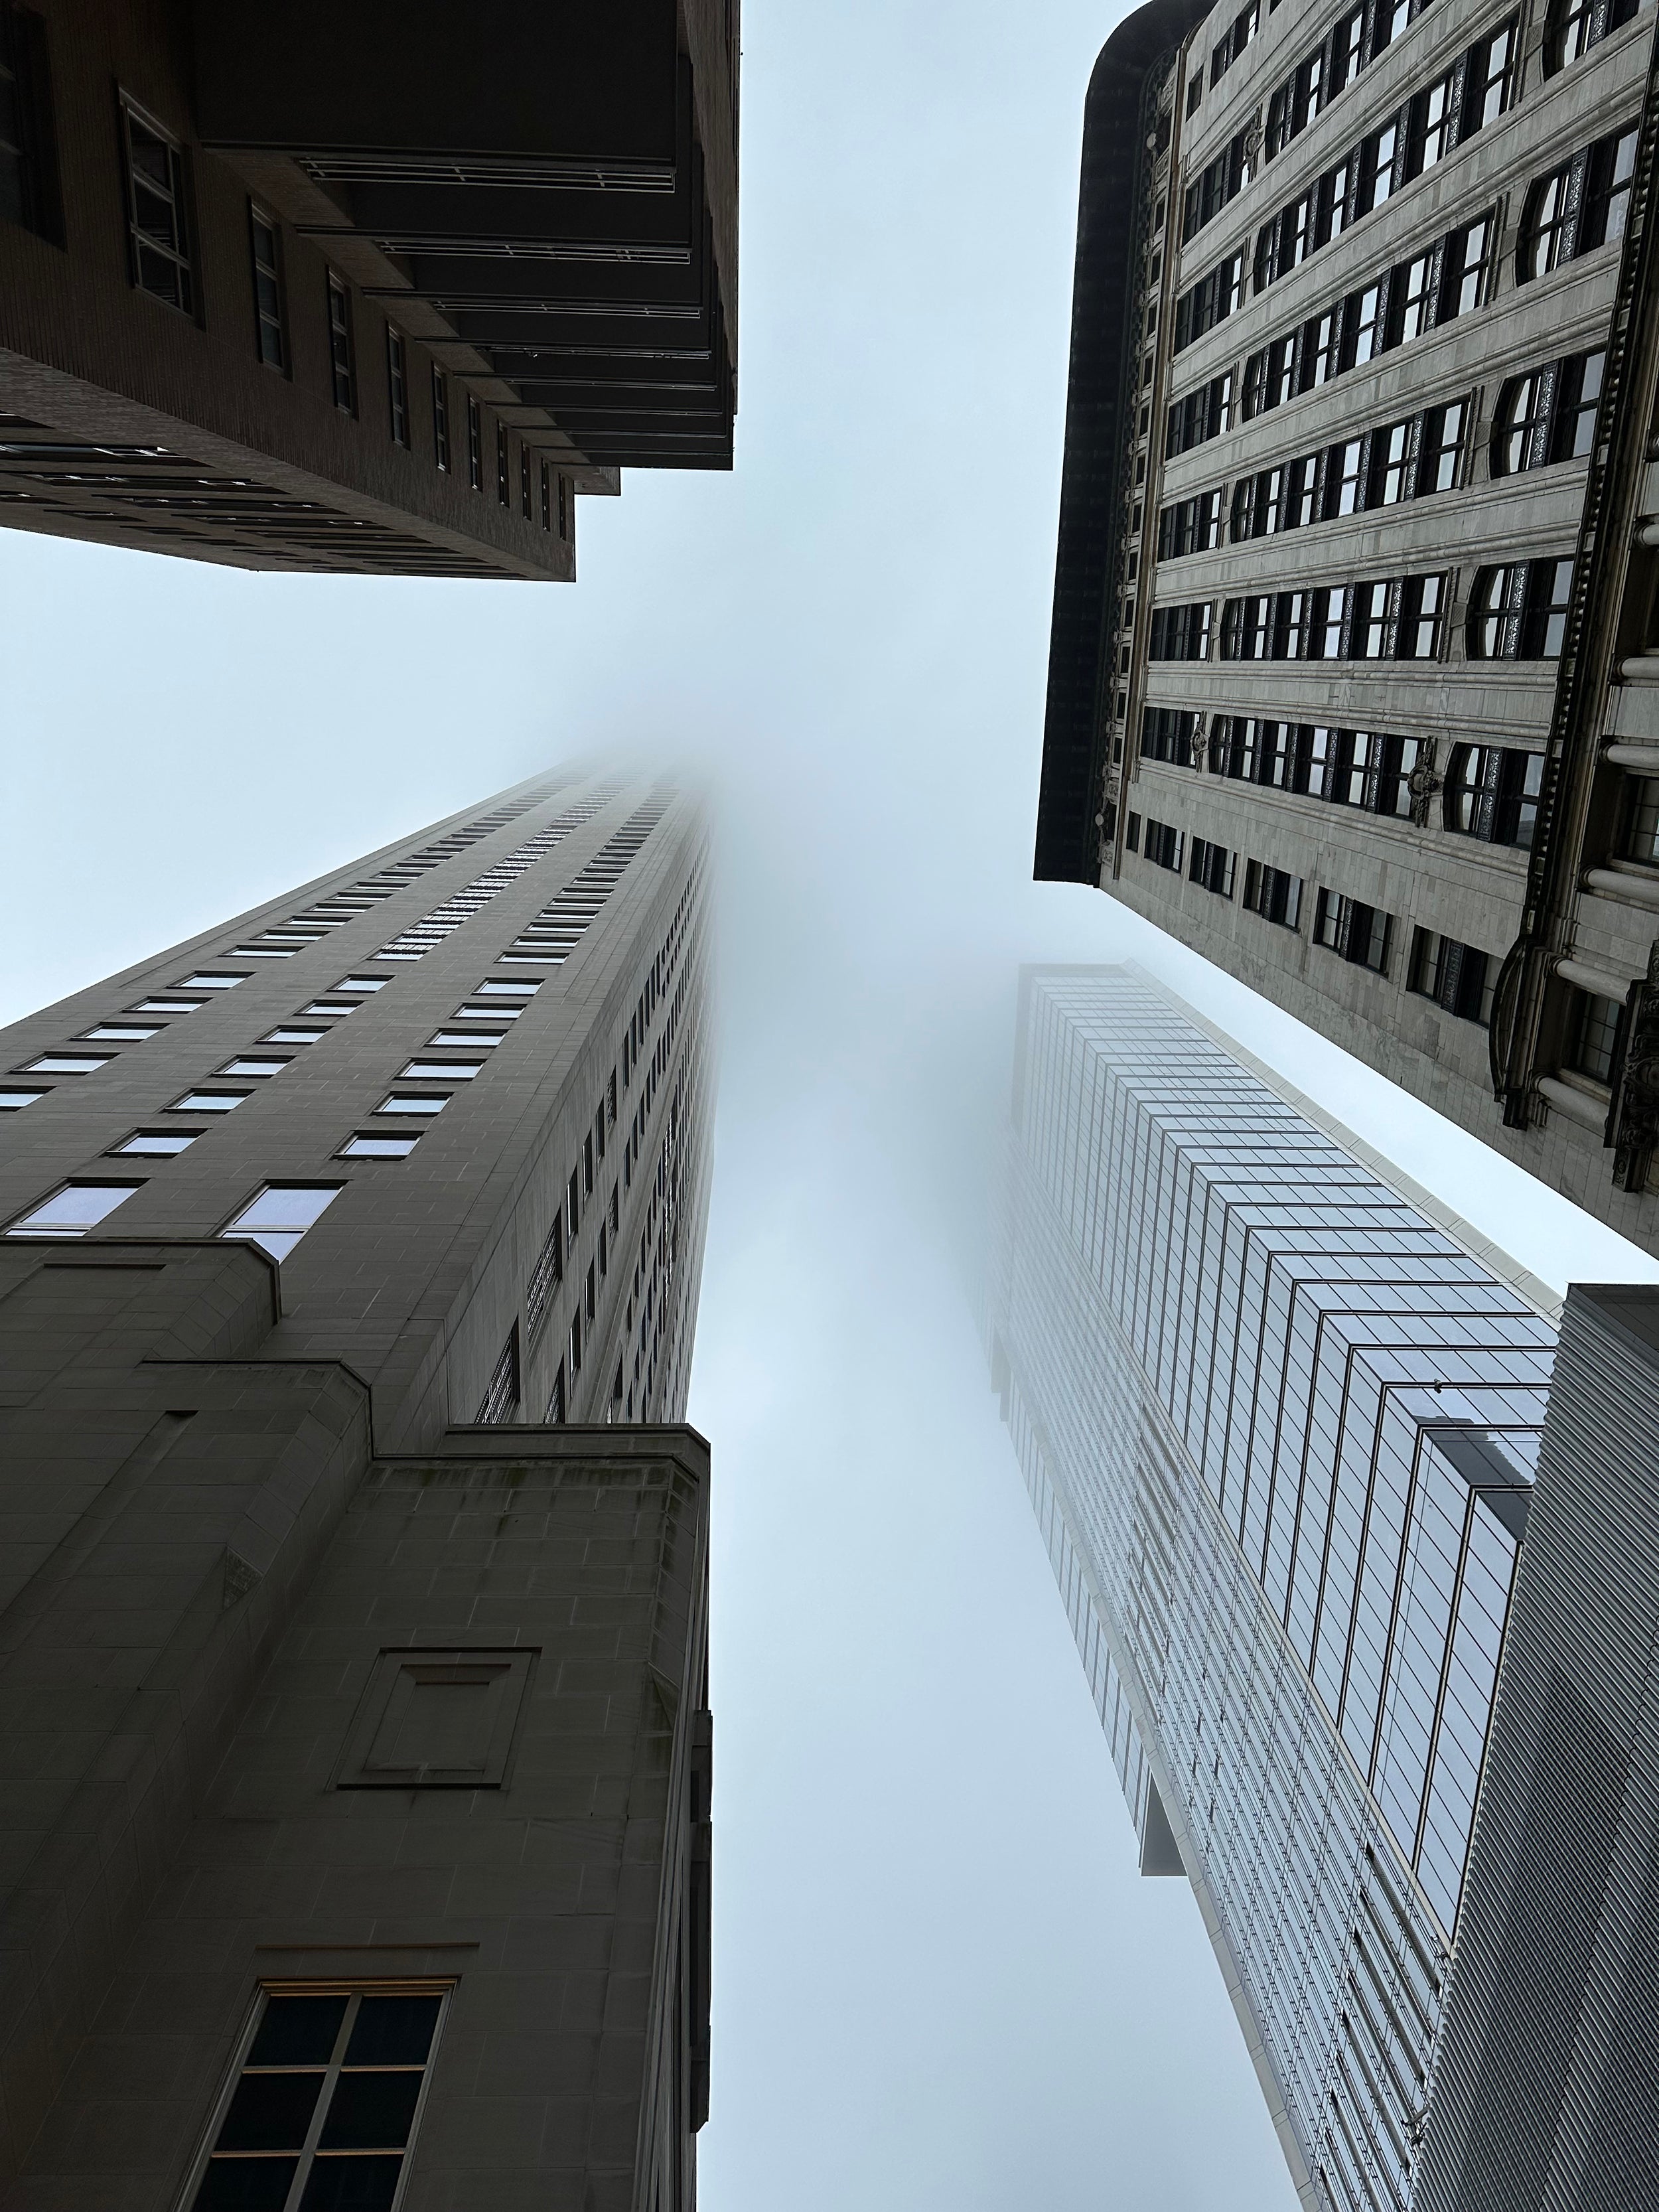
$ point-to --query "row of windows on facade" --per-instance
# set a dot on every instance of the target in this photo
(1460, 978)
(1491, 792)
(81, 1203)
(1571, 210)
(1429, 126)
(1518, 612)
(164, 262)
(1544, 417)
(1581, 206)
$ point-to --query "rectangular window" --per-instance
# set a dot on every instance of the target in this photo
(425, 1104)
(161, 257)
(547, 497)
(567, 510)
(29, 189)
(546, 1276)
(440, 417)
(396, 384)
(269, 305)
(378, 1145)
(500, 1399)
(73, 1208)
(1456, 976)
(1211, 865)
(68, 1063)
(12, 1101)
(156, 1143)
(523, 482)
(360, 985)
(555, 1397)
(1592, 1038)
(325, 2105)
(474, 443)
(209, 1101)
(1273, 895)
(342, 356)
(1355, 932)
(1165, 845)
(278, 1216)
(502, 496)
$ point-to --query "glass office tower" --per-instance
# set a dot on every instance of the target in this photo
(1280, 1422)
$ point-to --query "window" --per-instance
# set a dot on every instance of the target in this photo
(270, 307)
(326, 2104)
(480, 1037)
(502, 498)
(1210, 301)
(213, 982)
(161, 262)
(1191, 526)
(487, 1013)
(396, 384)
(1492, 792)
(169, 1005)
(209, 1101)
(156, 1143)
(121, 1032)
(1593, 1035)
(501, 1398)
(547, 497)
(1179, 633)
(29, 193)
(1577, 208)
(414, 1102)
(255, 1064)
(12, 1101)
(1547, 414)
(1202, 415)
(1641, 839)
(567, 508)
(279, 1216)
(524, 482)
(1519, 612)
(342, 354)
(474, 443)
(377, 1145)
(1355, 932)
(360, 985)
(1166, 734)
(546, 1276)
(1455, 976)
(492, 987)
(1413, 293)
(1211, 865)
(1464, 257)
(440, 417)
(1165, 845)
(1440, 448)
(1573, 26)
(1273, 895)
(1489, 78)
(73, 1208)
(555, 1397)
(69, 1063)
(293, 1035)
(441, 1070)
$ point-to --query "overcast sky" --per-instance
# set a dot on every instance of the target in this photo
(940, 1986)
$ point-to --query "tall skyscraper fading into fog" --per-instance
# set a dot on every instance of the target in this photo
(354, 1700)
(1281, 1421)
(1354, 678)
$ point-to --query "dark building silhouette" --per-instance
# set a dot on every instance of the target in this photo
(364, 289)
(353, 1614)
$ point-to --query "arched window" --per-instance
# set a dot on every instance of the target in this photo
(1573, 26)
(1547, 221)
(1520, 427)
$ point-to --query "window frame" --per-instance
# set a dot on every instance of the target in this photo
(397, 385)
(341, 345)
(441, 1987)
(441, 418)
(181, 254)
(270, 321)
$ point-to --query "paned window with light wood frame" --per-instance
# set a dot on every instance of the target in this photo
(325, 2101)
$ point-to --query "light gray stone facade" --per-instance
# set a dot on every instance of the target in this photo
(1467, 893)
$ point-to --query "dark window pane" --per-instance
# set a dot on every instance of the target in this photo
(245, 2184)
(393, 2031)
(370, 2112)
(270, 2112)
(351, 2185)
(297, 2031)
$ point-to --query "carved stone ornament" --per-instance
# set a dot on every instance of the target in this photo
(1636, 1127)
(1423, 783)
(1200, 742)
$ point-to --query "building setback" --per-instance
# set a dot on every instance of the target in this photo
(371, 290)
(1352, 681)
(353, 1632)
(1282, 1419)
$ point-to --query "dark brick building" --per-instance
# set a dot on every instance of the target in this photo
(353, 1700)
(376, 288)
